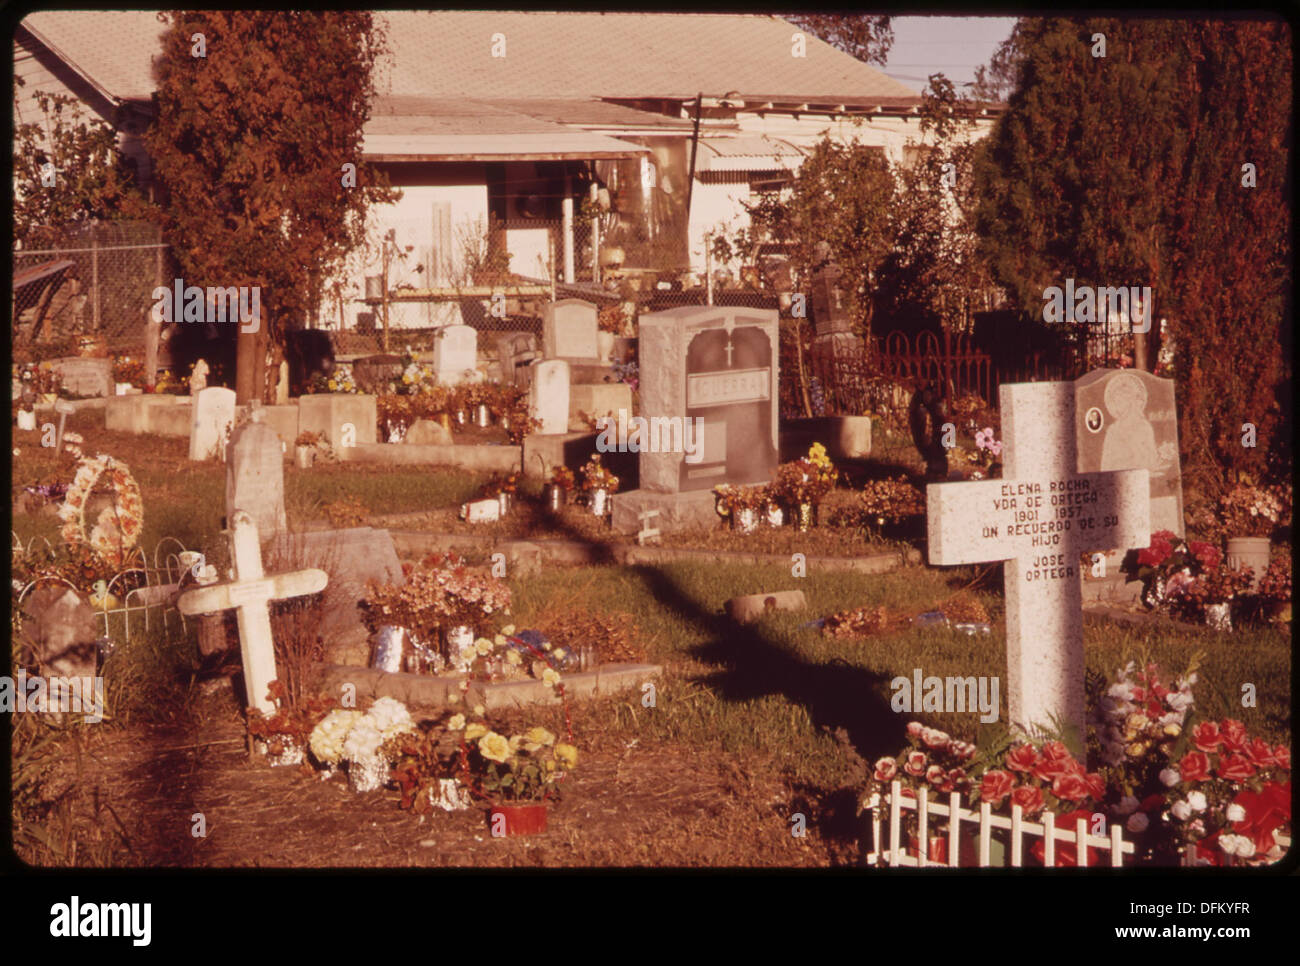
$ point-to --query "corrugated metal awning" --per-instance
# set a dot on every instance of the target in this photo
(748, 153)
(550, 146)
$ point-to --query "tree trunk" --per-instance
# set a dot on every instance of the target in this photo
(250, 366)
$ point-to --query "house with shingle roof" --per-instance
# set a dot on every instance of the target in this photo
(676, 120)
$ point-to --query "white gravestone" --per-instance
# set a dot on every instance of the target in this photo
(455, 354)
(548, 396)
(569, 330)
(251, 593)
(255, 475)
(212, 415)
(1039, 518)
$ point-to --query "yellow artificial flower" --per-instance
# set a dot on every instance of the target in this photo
(457, 722)
(333, 385)
(480, 710)
(475, 730)
(512, 657)
(516, 742)
(500, 640)
(567, 755)
(483, 646)
(494, 747)
(549, 764)
(550, 677)
(540, 736)
(1173, 730)
(453, 698)
(508, 630)
(559, 652)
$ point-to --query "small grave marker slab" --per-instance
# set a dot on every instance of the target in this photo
(753, 606)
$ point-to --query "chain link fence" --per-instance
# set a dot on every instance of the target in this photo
(94, 281)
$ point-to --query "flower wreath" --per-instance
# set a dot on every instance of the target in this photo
(118, 527)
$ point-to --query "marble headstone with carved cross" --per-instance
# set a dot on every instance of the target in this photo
(1039, 518)
(251, 593)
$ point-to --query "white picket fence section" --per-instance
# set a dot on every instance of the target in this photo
(897, 854)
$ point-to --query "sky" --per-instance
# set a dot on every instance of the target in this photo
(953, 45)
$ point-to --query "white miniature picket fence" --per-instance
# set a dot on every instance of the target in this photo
(897, 855)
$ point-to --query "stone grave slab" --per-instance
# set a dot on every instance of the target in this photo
(1039, 517)
(255, 475)
(212, 414)
(753, 606)
(83, 377)
(329, 413)
(548, 396)
(569, 331)
(455, 354)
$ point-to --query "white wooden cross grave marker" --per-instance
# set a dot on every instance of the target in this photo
(252, 592)
(1039, 518)
(647, 533)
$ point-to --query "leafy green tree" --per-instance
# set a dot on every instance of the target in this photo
(1127, 169)
(866, 37)
(86, 180)
(250, 142)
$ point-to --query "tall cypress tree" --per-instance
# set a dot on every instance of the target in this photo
(254, 123)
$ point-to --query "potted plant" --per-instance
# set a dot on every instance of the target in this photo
(889, 502)
(802, 483)
(1274, 588)
(609, 323)
(741, 504)
(558, 488)
(304, 448)
(1250, 514)
(503, 489)
(361, 742)
(283, 736)
(1209, 595)
(597, 485)
(519, 774)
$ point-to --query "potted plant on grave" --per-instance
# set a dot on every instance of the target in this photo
(598, 483)
(1274, 589)
(802, 484)
(501, 488)
(361, 741)
(1250, 515)
(558, 487)
(519, 775)
(609, 323)
(304, 448)
(741, 505)
(1209, 595)
(886, 502)
(429, 767)
(283, 736)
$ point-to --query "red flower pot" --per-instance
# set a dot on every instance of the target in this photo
(938, 851)
(529, 819)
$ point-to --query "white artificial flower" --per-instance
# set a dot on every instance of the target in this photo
(1237, 845)
(363, 740)
(390, 717)
(1180, 701)
(1197, 801)
(1181, 811)
(1137, 822)
(1127, 805)
(328, 736)
(1169, 777)
(1235, 813)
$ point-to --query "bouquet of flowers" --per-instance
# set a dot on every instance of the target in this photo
(1275, 586)
(731, 498)
(439, 594)
(126, 369)
(1186, 575)
(1254, 511)
(805, 480)
(596, 476)
(40, 378)
(498, 484)
(340, 380)
(891, 501)
(291, 726)
(611, 318)
(361, 740)
(525, 767)
(563, 477)
(510, 404)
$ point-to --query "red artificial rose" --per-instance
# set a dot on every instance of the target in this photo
(1157, 553)
(1206, 736)
(1151, 803)
(1050, 769)
(996, 785)
(1266, 811)
(915, 764)
(1261, 753)
(1096, 786)
(1234, 735)
(1208, 851)
(1206, 554)
(1282, 756)
(914, 729)
(935, 775)
(1029, 798)
(1235, 768)
(1056, 750)
(1023, 758)
(1072, 788)
(934, 739)
(1067, 852)
(886, 770)
(1194, 767)
(1139, 695)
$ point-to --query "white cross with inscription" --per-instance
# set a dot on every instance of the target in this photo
(252, 592)
(1039, 518)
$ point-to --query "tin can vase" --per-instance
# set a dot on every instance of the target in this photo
(599, 502)
(1218, 617)
(527, 819)
(775, 516)
(27, 419)
(1250, 552)
(482, 416)
(306, 456)
(368, 774)
(745, 520)
(504, 500)
(390, 646)
(802, 518)
(452, 796)
(460, 647)
(461, 417)
(504, 422)
(281, 752)
(556, 497)
(445, 419)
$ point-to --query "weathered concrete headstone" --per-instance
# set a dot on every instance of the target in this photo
(569, 331)
(59, 632)
(515, 350)
(251, 593)
(344, 419)
(255, 475)
(753, 606)
(84, 377)
(1126, 420)
(455, 354)
(548, 396)
(373, 373)
(212, 414)
(428, 432)
(1039, 518)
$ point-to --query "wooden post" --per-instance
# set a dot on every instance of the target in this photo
(94, 277)
(566, 214)
(384, 293)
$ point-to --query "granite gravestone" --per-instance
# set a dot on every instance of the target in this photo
(548, 396)
(1039, 518)
(85, 378)
(569, 331)
(255, 475)
(708, 375)
(1127, 420)
(212, 415)
(455, 354)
